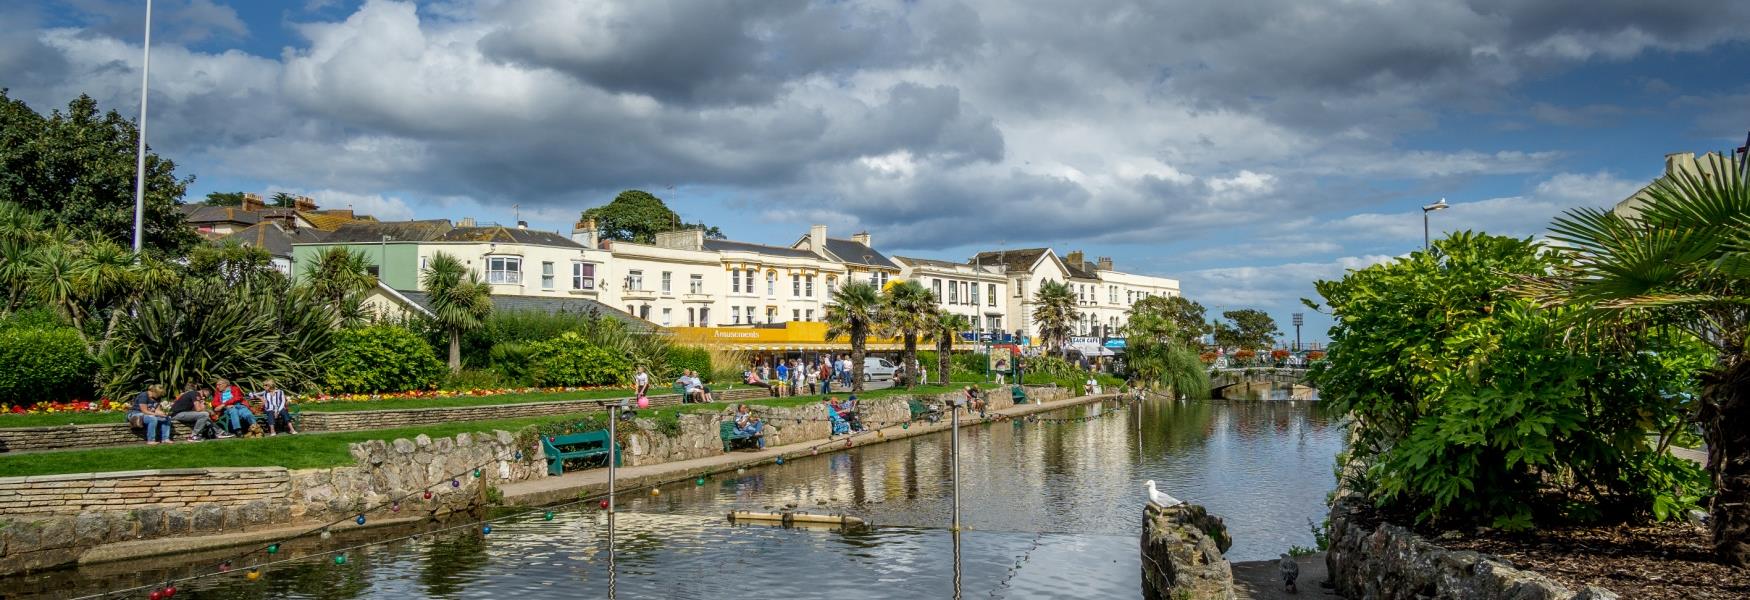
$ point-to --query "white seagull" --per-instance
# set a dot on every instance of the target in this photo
(1160, 498)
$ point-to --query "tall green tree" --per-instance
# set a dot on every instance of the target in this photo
(224, 199)
(231, 263)
(1190, 317)
(1681, 260)
(945, 327)
(1247, 328)
(460, 302)
(907, 309)
(77, 169)
(1159, 353)
(637, 216)
(1055, 314)
(855, 309)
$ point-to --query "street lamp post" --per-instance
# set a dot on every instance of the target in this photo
(1441, 205)
(140, 154)
(1299, 318)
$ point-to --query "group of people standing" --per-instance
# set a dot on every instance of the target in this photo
(796, 376)
(217, 412)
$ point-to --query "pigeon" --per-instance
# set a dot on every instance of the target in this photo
(1160, 498)
(1290, 572)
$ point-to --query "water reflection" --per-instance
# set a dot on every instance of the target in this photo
(1050, 510)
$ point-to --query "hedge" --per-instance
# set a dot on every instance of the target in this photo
(44, 364)
(382, 358)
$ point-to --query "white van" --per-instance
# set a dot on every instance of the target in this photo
(875, 368)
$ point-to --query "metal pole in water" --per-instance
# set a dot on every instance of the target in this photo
(954, 454)
(613, 457)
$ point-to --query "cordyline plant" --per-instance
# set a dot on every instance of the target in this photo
(1678, 259)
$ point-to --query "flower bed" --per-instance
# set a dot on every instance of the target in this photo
(112, 406)
(43, 408)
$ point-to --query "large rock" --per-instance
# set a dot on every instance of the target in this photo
(1182, 550)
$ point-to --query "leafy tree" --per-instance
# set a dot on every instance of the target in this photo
(1475, 405)
(224, 199)
(637, 216)
(1187, 315)
(1158, 351)
(855, 308)
(1055, 312)
(231, 263)
(945, 327)
(1682, 260)
(1247, 328)
(907, 310)
(77, 169)
(459, 300)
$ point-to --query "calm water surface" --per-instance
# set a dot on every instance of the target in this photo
(1053, 511)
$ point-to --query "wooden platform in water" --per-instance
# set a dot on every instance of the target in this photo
(795, 518)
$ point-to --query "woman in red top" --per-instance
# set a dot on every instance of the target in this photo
(230, 402)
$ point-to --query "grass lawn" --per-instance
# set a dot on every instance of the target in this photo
(87, 418)
(314, 450)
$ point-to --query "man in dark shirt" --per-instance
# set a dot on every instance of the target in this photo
(187, 410)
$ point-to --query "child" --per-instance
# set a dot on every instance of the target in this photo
(274, 407)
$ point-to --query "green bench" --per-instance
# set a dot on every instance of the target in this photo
(1018, 395)
(732, 437)
(577, 445)
(919, 410)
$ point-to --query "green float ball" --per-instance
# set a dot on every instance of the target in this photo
(273, 548)
(340, 559)
(476, 472)
(701, 481)
(548, 516)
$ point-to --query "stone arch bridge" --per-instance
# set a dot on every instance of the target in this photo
(1222, 381)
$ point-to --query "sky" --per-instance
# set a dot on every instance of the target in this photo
(1246, 148)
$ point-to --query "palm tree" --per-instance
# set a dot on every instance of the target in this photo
(944, 327)
(460, 302)
(855, 308)
(283, 200)
(337, 274)
(1055, 313)
(906, 312)
(53, 283)
(1681, 259)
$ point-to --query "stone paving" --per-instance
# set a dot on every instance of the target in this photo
(1262, 580)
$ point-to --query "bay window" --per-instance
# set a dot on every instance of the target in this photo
(504, 270)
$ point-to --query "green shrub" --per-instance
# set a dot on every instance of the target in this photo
(382, 358)
(681, 358)
(572, 361)
(39, 317)
(1472, 404)
(44, 364)
(477, 379)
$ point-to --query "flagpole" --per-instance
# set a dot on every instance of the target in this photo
(140, 156)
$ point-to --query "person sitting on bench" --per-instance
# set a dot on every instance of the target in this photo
(847, 410)
(696, 390)
(747, 424)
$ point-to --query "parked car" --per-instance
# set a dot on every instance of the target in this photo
(875, 368)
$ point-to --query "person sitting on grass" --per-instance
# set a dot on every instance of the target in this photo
(274, 407)
(752, 377)
(143, 412)
(233, 409)
(190, 409)
(746, 424)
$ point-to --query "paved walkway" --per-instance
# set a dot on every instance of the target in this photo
(1262, 579)
(568, 487)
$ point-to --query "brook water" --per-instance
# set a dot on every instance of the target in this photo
(1053, 510)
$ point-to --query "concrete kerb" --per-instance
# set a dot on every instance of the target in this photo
(571, 487)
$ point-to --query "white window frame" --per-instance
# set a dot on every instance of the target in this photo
(734, 315)
(509, 271)
(667, 316)
(548, 275)
(581, 280)
(771, 284)
(735, 281)
(795, 314)
(635, 280)
(953, 292)
(808, 285)
(936, 287)
(991, 295)
(832, 285)
(795, 285)
(695, 284)
(809, 315)
(704, 316)
(668, 282)
(973, 299)
(750, 314)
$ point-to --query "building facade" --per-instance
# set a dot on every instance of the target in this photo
(975, 291)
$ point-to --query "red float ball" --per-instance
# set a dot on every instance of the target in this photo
(170, 591)
(604, 505)
(156, 595)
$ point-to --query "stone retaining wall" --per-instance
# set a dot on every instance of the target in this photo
(1182, 557)
(49, 521)
(116, 434)
(1389, 562)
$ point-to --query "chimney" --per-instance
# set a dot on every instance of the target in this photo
(684, 239)
(252, 202)
(304, 203)
(862, 237)
(523, 225)
(465, 222)
(1073, 258)
(584, 233)
(1105, 263)
(817, 238)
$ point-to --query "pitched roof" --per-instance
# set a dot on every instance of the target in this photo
(330, 220)
(273, 238)
(930, 262)
(1084, 270)
(508, 235)
(549, 305)
(857, 253)
(400, 231)
(219, 214)
(1019, 259)
(734, 246)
